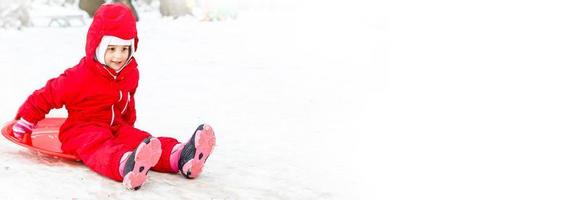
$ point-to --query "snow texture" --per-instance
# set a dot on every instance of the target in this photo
(285, 93)
(335, 100)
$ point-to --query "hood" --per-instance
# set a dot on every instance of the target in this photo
(114, 19)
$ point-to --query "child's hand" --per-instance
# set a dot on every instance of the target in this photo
(22, 127)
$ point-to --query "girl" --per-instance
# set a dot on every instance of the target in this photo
(98, 94)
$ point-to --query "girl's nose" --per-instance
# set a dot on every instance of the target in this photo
(117, 55)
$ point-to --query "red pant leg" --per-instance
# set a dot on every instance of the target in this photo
(101, 150)
(167, 145)
(130, 136)
(97, 148)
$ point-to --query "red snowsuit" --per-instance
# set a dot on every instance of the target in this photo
(100, 103)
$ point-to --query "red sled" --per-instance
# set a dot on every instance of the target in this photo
(43, 139)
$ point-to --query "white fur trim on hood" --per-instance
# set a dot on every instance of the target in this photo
(112, 40)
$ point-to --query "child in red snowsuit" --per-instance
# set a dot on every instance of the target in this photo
(98, 94)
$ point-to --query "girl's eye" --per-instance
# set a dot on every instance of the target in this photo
(125, 48)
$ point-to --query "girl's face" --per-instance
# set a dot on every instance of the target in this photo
(116, 56)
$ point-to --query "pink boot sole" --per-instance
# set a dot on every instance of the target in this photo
(146, 156)
(204, 143)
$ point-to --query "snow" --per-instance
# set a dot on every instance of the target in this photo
(284, 95)
(335, 100)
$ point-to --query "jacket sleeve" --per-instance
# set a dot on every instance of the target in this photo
(40, 102)
(131, 114)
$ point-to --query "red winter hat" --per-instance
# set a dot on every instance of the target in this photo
(112, 19)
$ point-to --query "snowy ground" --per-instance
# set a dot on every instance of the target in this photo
(406, 100)
(284, 92)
